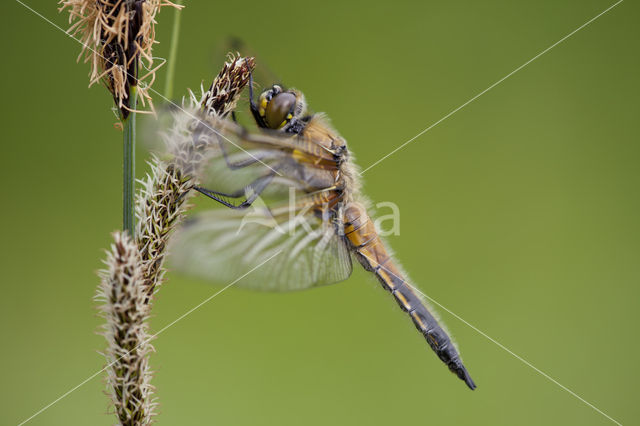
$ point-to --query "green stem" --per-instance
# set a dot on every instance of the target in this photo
(129, 166)
(173, 52)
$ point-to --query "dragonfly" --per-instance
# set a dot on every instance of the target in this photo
(292, 193)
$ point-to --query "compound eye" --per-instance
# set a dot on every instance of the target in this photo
(280, 109)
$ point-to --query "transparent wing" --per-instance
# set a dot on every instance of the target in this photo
(239, 161)
(291, 246)
(290, 250)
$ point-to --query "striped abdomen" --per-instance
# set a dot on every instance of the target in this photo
(372, 254)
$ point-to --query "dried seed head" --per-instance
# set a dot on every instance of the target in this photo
(124, 308)
(118, 36)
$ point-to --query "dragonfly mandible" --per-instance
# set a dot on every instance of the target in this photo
(292, 189)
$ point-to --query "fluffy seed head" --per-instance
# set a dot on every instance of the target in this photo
(193, 132)
(123, 306)
(163, 197)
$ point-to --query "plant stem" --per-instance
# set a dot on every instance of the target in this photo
(129, 166)
(173, 53)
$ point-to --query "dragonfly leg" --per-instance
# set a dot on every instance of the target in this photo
(254, 189)
(252, 104)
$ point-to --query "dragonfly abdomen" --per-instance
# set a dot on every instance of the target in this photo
(374, 256)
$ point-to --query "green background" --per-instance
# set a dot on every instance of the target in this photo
(519, 213)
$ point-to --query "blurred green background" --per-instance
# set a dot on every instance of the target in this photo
(519, 213)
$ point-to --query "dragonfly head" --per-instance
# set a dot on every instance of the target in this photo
(278, 107)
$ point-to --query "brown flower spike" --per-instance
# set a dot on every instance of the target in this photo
(162, 199)
(222, 96)
(118, 36)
